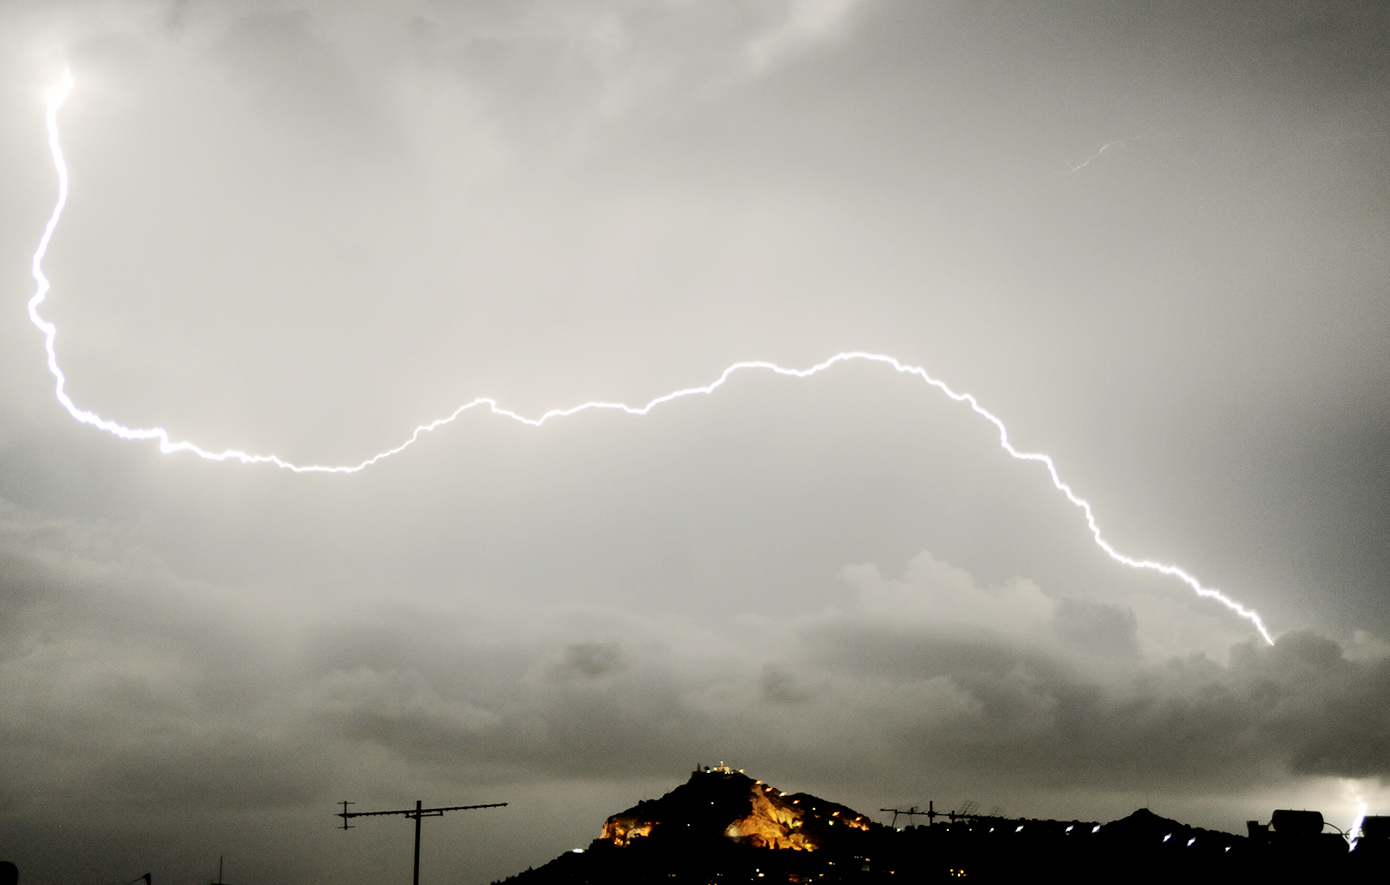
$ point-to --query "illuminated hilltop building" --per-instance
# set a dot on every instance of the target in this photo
(739, 808)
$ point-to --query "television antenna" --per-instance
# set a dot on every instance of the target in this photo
(415, 814)
(930, 814)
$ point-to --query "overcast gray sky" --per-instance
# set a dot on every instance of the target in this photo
(1155, 241)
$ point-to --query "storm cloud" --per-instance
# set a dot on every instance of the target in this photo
(1155, 241)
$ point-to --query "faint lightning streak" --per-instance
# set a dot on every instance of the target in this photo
(1096, 156)
(166, 445)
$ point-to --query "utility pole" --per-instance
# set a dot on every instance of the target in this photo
(416, 813)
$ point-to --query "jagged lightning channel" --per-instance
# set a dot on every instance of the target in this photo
(167, 445)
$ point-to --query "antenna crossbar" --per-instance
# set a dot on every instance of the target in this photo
(412, 812)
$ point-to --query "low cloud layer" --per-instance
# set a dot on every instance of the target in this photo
(130, 688)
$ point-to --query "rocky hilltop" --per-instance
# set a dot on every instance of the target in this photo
(722, 802)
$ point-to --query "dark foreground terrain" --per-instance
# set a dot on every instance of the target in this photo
(722, 826)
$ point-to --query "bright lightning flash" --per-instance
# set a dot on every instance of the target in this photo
(167, 445)
(1355, 832)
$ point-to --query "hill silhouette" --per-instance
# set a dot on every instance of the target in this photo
(723, 826)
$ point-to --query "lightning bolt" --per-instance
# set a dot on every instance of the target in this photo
(1096, 156)
(1355, 832)
(168, 445)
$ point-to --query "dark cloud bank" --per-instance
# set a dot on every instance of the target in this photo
(133, 694)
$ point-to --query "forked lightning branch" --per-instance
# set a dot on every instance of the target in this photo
(169, 445)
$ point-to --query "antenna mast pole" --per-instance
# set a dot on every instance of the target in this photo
(417, 842)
